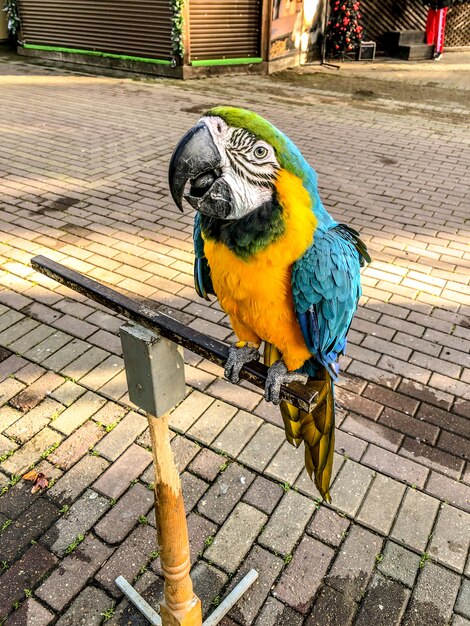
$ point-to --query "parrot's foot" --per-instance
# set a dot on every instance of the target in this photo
(278, 375)
(239, 354)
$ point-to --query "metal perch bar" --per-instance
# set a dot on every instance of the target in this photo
(301, 396)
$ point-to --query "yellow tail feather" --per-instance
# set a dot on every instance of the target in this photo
(316, 429)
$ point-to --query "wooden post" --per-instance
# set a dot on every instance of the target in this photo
(155, 378)
(181, 606)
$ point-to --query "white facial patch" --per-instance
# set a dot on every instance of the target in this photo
(248, 165)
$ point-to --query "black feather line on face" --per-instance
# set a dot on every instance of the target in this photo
(260, 179)
(250, 234)
(239, 153)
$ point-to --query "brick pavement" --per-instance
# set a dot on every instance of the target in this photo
(83, 181)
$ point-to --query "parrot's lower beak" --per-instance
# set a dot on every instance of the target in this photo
(197, 161)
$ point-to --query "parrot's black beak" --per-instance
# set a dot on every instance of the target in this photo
(197, 161)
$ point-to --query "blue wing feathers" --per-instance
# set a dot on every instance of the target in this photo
(326, 289)
(202, 275)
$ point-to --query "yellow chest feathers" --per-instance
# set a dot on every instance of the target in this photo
(257, 291)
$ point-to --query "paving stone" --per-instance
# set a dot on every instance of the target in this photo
(207, 464)
(287, 523)
(371, 431)
(128, 559)
(184, 450)
(33, 421)
(328, 526)
(73, 573)
(208, 582)
(262, 447)
(65, 357)
(109, 414)
(286, 464)
(120, 520)
(199, 530)
(234, 394)
(197, 378)
(463, 601)
(432, 457)
(384, 603)
(224, 494)
(31, 452)
(24, 574)
(460, 621)
(78, 413)
(268, 567)
(104, 373)
(212, 422)
(7, 445)
(433, 597)
(234, 539)
(121, 437)
(238, 432)
(186, 413)
(193, 489)
(40, 352)
(9, 318)
(399, 563)
(415, 520)
(332, 609)
(381, 504)
(348, 445)
(310, 562)
(275, 613)
(76, 446)
(455, 492)
(263, 494)
(8, 416)
(395, 466)
(31, 339)
(350, 487)
(27, 527)
(17, 499)
(36, 392)
(78, 367)
(68, 392)
(30, 373)
(86, 609)
(81, 516)
(269, 413)
(75, 327)
(353, 566)
(451, 538)
(67, 489)
(30, 613)
(15, 330)
(9, 388)
(122, 472)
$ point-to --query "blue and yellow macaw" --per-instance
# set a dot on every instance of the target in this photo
(284, 271)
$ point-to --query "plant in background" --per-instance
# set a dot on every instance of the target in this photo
(344, 32)
(177, 28)
(13, 19)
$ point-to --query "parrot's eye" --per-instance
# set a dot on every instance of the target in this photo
(260, 152)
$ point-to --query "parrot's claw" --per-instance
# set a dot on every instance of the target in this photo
(237, 357)
(278, 375)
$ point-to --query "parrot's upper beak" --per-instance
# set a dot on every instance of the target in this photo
(197, 160)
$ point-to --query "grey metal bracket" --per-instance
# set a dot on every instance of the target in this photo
(214, 618)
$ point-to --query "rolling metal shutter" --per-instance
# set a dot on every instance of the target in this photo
(138, 28)
(224, 29)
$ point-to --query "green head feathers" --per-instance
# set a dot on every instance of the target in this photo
(287, 153)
